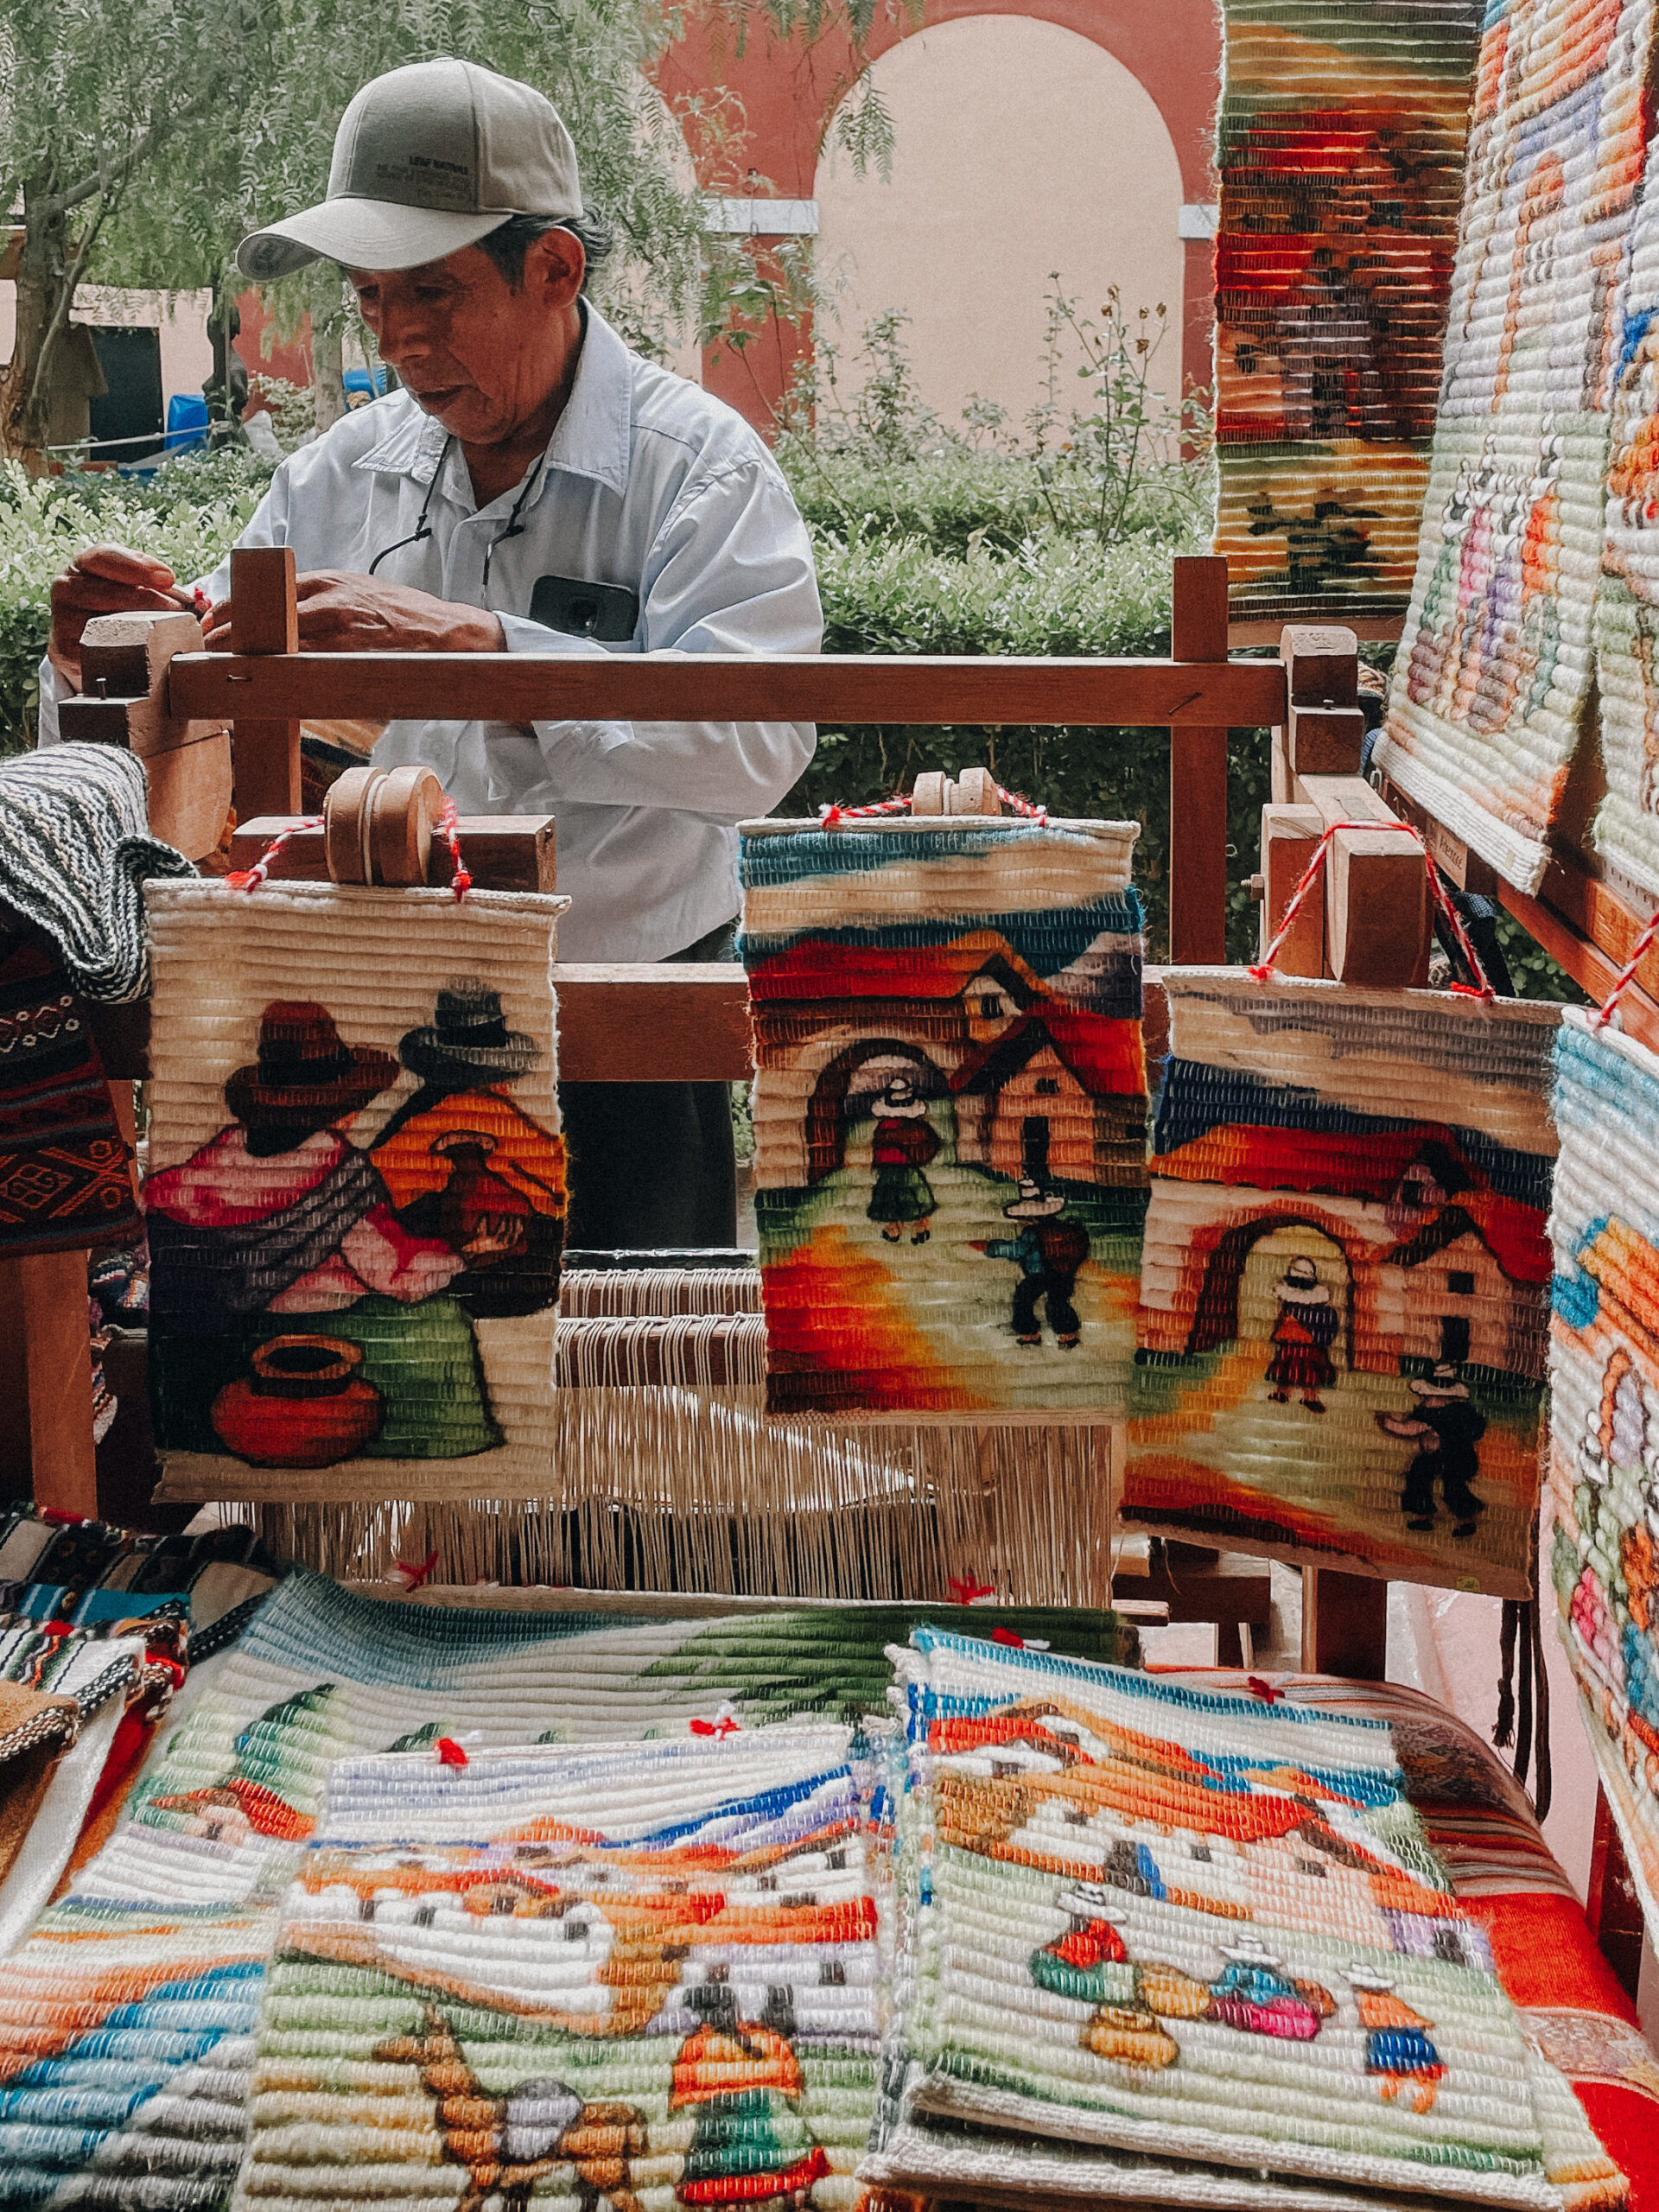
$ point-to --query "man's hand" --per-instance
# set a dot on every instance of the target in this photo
(343, 612)
(104, 579)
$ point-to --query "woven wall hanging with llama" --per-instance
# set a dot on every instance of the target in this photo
(356, 1187)
(1345, 1291)
(949, 1114)
(1340, 147)
(1492, 683)
(1604, 1374)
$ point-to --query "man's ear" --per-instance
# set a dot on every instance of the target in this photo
(553, 268)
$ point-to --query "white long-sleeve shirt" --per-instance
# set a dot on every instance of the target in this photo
(647, 482)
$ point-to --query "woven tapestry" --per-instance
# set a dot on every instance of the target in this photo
(1341, 150)
(1490, 684)
(66, 1170)
(1345, 1295)
(646, 1974)
(1626, 829)
(145, 1979)
(1604, 1552)
(356, 1187)
(950, 1116)
(1173, 1926)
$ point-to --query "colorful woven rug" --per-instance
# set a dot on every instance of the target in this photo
(66, 1170)
(1345, 1293)
(1143, 1918)
(1626, 828)
(1490, 684)
(1604, 1372)
(356, 1190)
(126, 2020)
(1341, 150)
(648, 1974)
(950, 1116)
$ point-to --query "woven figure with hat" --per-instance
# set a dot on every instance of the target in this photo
(1446, 1428)
(1048, 1249)
(1397, 2048)
(905, 1141)
(278, 1216)
(463, 1161)
(1303, 1335)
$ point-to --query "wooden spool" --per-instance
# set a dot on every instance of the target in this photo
(378, 826)
(973, 791)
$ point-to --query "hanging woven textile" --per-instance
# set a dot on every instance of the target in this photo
(1603, 1373)
(356, 1188)
(1344, 1297)
(949, 1114)
(1340, 148)
(1627, 602)
(1491, 683)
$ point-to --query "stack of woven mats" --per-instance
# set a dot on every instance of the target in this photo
(127, 2019)
(1170, 1945)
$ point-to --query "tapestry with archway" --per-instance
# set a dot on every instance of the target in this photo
(827, 1110)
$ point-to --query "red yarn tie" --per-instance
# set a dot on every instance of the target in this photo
(450, 1752)
(1626, 975)
(1263, 968)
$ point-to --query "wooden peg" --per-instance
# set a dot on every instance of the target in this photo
(1321, 664)
(1377, 919)
(403, 810)
(124, 661)
(265, 619)
(928, 796)
(973, 791)
(346, 824)
(1290, 838)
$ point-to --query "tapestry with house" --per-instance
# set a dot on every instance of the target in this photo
(1340, 146)
(1603, 1548)
(1492, 683)
(355, 1196)
(1345, 1284)
(949, 1114)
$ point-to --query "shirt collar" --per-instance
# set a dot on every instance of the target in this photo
(593, 436)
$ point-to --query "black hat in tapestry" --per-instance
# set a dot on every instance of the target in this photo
(305, 1078)
(467, 1040)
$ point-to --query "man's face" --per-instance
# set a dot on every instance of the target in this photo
(474, 353)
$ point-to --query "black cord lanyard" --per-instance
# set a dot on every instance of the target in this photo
(422, 529)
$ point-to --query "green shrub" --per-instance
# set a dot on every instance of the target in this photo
(189, 515)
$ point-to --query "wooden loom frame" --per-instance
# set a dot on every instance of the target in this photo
(652, 1022)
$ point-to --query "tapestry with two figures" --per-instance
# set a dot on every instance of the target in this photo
(356, 1186)
(1345, 1289)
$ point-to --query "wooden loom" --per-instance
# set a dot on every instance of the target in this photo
(215, 726)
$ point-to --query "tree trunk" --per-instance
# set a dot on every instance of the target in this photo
(42, 317)
(327, 374)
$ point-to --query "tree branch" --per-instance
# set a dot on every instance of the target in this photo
(145, 143)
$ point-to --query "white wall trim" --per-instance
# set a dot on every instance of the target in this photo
(762, 218)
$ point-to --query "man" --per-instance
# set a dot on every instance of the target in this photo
(534, 487)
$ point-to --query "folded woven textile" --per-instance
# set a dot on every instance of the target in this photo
(1340, 148)
(950, 1116)
(65, 1172)
(1344, 1290)
(647, 1973)
(74, 849)
(1145, 1918)
(125, 2019)
(1491, 685)
(356, 1194)
(1604, 1368)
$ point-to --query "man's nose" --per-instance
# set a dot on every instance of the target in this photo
(402, 333)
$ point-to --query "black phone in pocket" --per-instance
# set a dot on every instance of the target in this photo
(607, 613)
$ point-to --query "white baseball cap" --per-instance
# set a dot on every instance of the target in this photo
(427, 159)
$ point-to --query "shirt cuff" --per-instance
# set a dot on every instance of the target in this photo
(523, 636)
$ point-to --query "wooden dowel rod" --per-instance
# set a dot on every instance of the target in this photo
(264, 749)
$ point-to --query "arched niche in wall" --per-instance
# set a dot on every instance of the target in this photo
(1021, 148)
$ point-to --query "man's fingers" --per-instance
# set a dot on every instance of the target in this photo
(89, 594)
(121, 566)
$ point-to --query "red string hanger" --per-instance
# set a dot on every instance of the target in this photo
(832, 817)
(250, 878)
(1263, 968)
(1626, 975)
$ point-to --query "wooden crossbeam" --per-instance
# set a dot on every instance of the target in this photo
(969, 692)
